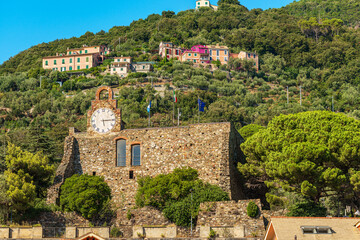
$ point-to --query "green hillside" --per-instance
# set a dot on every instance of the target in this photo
(317, 60)
(348, 11)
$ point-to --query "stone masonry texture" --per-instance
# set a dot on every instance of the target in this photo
(213, 149)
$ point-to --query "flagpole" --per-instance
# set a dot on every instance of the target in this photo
(199, 110)
(173, 112)
(178, 116)
(149, 110)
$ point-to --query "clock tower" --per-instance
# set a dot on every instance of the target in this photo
(104, 117)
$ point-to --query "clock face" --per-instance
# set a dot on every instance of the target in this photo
(103, 120)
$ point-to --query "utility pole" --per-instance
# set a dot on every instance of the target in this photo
(191, 192)
(40, 80)
(287, 94)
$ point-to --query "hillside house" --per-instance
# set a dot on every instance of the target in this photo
(142, 67)
(169, 50)
(247, 56)
(197, 54)
(76, 59)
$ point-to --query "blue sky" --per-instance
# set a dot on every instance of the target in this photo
(28, 23)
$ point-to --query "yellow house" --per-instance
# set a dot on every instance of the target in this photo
(319, 228)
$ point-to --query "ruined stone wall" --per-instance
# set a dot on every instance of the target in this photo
(66, 169)
(205, 147)
(231, 214)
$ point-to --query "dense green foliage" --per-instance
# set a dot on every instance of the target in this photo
(314, 154)
(345, 10)
(87, 195)
(307, 209)
(297, 47)
(27, 177)
(252, 209)
(171, 193)
(249, 130)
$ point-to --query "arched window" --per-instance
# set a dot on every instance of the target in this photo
(135, 155)
(121, 153)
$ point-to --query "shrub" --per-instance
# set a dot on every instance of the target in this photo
(212, 233)
(171, 193)
(115, 232)
(252, 209)
(307, 208)
(128, 214)
(87, 195)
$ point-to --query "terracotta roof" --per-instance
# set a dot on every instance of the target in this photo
(72, 55)
(90, 235)
(84, 47)
(217, 47)
(286, 228)
(120, 63)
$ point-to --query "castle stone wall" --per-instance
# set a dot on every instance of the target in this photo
(213, 149)
(230, 218)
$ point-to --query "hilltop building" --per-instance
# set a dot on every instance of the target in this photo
(76, 59)
(205, 3)
(122, 156)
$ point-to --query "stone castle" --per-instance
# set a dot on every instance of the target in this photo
(122, 156)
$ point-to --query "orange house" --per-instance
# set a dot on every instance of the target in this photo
(76, 59)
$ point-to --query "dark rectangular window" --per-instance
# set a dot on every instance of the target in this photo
(78, 60)
(85, 51)
(121, 153)
(46, 63)
(131, 174)
(70, 60)
(63, 61)
(135, 155)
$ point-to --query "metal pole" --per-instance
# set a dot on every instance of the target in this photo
(199, 110)
(178, 116)
(191, 211)
(287, 94)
